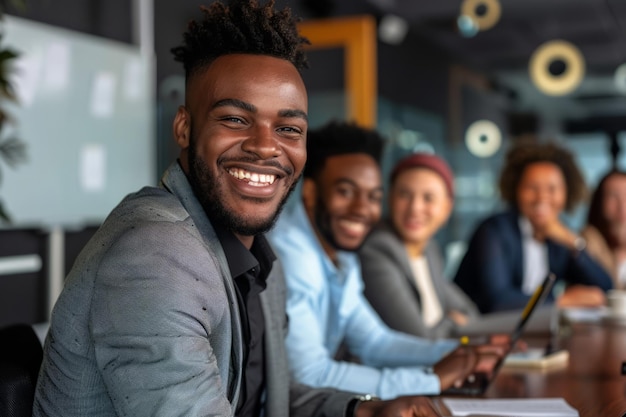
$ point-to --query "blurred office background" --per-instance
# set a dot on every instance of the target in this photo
(98, 88)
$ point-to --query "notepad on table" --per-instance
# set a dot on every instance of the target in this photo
(516, 407)
(537, 358)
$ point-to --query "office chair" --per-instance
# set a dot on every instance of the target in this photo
(20, 358)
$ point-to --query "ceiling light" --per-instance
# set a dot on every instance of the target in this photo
(467, 26)
(392, 29)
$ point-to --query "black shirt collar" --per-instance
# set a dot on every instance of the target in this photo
(240, 259)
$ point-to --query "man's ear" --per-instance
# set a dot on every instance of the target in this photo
(182, 127)
(309, 194)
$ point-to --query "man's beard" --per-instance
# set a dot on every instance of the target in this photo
(322, 221)
(208, 191)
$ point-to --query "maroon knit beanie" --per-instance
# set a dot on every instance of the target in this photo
(429, 161)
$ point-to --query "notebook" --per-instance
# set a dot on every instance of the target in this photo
(537, 358)
(514, 407)
(478, 383)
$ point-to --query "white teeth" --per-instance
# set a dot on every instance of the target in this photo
(254, 179)
(355, 227)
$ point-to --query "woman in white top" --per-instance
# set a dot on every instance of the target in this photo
(402, 266)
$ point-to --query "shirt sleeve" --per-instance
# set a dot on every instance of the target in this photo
(386, 355)
(393, 363)
(582, 268)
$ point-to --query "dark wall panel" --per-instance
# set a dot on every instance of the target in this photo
(22, 294)
(106, 18)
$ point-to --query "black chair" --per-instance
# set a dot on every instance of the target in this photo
(20, 358)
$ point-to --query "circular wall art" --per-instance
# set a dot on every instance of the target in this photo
(557, 68)
(483, 138)
(484, 13)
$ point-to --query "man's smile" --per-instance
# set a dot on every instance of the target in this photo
(253, 178)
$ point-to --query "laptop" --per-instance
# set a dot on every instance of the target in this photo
(478, 383)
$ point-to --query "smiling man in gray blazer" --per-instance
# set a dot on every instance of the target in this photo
(176, 306)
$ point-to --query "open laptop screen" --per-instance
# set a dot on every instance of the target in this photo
(479, 383)
(541, 292)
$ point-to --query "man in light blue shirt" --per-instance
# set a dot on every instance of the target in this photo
(316, 239)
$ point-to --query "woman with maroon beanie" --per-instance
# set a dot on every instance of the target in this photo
(402, 265)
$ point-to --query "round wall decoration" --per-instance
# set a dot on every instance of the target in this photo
(557, 68)
(483, 138)
(485, 13)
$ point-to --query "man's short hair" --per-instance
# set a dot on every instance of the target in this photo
(244, 27)
(340, 138)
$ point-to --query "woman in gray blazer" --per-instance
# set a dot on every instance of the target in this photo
(402, 266)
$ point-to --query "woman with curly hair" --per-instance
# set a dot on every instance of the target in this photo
(510, 253)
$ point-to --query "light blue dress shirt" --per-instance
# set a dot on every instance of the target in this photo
(326, 306)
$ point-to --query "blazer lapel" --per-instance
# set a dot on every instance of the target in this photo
(176, 182)
(436, 272)
(273, 301)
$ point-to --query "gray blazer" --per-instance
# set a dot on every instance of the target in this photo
(148, 322)
(391, 289)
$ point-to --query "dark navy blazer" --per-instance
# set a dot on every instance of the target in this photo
(492, 270)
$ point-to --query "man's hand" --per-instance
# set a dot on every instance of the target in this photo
(407, 406)
(465, 360)
(488, 357)
(504, 340)
(454, 368)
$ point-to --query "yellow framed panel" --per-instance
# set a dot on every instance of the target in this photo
(357, 36)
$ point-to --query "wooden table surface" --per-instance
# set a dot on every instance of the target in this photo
(592, 381)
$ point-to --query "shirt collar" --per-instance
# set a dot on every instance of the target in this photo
(526, 229)
(345, 259)
(240, 259)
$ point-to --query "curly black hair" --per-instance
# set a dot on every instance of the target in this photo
(527, 152)
(243, 27)
(339, 138)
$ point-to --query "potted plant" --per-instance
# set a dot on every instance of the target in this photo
(12, 149)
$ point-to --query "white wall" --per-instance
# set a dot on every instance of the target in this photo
(86, 113)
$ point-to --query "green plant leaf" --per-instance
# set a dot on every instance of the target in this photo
(17, 4)
(4, 118)
(4, 216)
(7, 54)
(13, 151)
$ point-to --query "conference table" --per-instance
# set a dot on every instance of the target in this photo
(592, 381)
